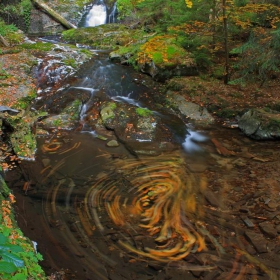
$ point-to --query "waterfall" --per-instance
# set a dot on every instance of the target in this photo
(97, 15)
(113, 14)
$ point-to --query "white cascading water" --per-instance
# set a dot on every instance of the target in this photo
(97, 15)
(113, 14)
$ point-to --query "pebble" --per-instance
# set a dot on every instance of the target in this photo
(247, 222)
(113, 143)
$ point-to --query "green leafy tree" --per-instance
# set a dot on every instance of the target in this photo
(260, 56)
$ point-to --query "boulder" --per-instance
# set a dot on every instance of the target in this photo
(139, 129)
(260, 124)
(189, 109)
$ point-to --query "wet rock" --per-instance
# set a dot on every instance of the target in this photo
(278, 228)
(113, 143)
(11, 111)
(140, 130)
(67, 119)
(257, 240)
(107, 113)
(260, 124)
(164, 72)
(268, 229)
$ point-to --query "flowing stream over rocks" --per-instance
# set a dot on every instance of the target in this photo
(168, 200)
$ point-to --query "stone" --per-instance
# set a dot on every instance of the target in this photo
(113, 143)
(257, 240)
(212, 198)
(268, 229)
(260, 124)
(189, 109)
(272, 204)
(247, 222)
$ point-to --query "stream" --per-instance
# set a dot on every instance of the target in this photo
(99, 212)
(190, 212)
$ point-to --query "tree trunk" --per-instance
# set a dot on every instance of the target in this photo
(225, 23)
(54, 14)
(3, 41)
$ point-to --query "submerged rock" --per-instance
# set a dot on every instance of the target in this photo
(260, 124)
(67, 119)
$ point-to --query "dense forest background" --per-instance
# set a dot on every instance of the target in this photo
(238, 40)
(234, 40)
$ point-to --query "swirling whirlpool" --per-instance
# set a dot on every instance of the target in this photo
(153, 198)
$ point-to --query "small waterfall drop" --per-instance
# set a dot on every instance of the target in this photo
(113, 14)
(97, 15)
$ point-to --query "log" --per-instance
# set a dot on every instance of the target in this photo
(54, 14)
(3, 41)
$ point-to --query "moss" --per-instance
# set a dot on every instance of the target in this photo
(143, 112)
(70, 62)
(105, 36)
(24, 102)
(40, 46)
(164, 51)
(57, 122)
(73, 110)
(111, 105)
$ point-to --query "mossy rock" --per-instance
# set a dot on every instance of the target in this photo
(162, 58)
(260, 124)
(105, 36)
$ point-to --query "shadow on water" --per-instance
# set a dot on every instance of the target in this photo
(100, 213)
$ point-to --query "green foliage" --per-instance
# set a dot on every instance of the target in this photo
(240, 3)
(161, 14)
(255, 62)
(194, 44)
(26, 7)
(18, 259)
(22, 9)
(3, 73)
(24, 102)
(125, 8)
(5, 29)
(157, 58)
(143, 112)
(10, 261)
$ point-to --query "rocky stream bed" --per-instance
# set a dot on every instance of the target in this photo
(233, 182)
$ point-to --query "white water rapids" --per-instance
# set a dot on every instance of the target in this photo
(97, 15)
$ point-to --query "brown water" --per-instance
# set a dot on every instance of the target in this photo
(99, 213)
